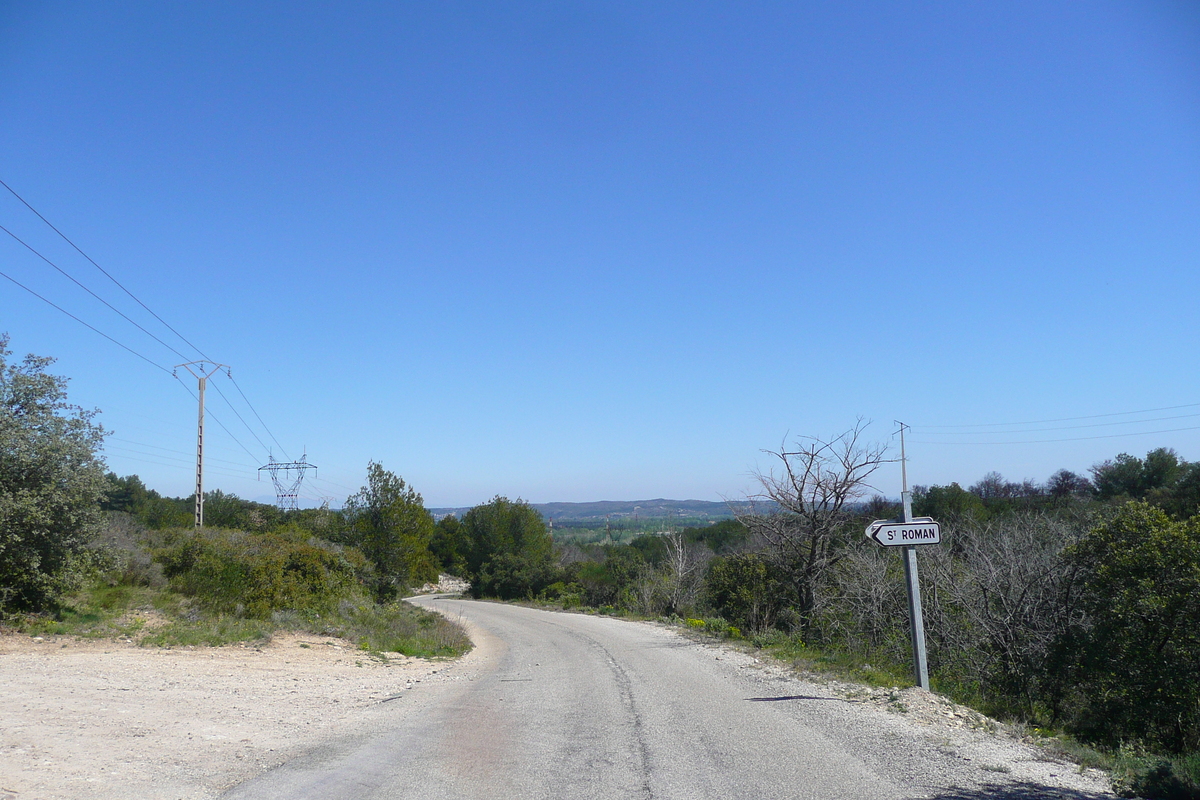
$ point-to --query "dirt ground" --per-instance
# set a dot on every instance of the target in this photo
(109, 720)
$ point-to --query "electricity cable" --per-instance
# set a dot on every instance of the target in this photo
(1061, 419)
(177, 452)
(89, 291)
(120, 451)
(216, 471)
(239, 416)
(132, 322)
(86, 325)
(334, 483)
(1075, 439)
(1060, 428)
(214, 416)
(106, 274)
(260, 419)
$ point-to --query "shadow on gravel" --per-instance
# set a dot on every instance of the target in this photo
(1019, 791)
(792, 697)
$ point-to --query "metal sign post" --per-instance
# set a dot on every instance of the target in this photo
(908, 532)
(916, 620)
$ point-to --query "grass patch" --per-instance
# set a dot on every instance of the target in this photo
(839, 664)
(97, 611)
(1139, 774)
(397, 628)
(1065, 747)
(209, 632)
(101, 610)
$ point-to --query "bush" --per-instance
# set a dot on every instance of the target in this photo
(1135, 660)
(608, 581)
(51, 485)
(747, 589)
(254, 574)
(508, 549)
(1158, 778)
(399, 628)
(387, 521)
(123, 556)
(512, 576)
(570, 595)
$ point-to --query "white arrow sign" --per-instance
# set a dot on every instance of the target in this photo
(922, 530)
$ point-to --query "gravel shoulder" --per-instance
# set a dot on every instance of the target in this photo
(984, 758)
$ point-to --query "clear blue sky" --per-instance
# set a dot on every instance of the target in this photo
(581, 251)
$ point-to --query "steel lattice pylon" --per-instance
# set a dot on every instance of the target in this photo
(287, 477)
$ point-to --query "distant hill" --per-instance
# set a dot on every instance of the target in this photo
(599, 510)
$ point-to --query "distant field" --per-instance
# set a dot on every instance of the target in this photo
(694, 512)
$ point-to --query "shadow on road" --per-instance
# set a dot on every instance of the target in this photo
(1019, 791)
(792, 697)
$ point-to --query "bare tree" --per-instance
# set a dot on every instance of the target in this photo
(685, 565)
(870, 611)
(810, 492)
(648, 590)
(1004, 595)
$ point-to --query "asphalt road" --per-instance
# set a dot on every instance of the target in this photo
(556, 705)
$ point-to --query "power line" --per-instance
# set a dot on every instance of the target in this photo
(132, 322)
(120, 450)
(177, 452)
(97, 266)
(89, 291)
(1062, 419)
(334, 483)
(1077, 438)
(214, 416)
(260, 419)
(239, 416)
(86, 325)
(181, 467)
(1060, 428)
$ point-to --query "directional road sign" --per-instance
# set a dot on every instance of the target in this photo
(889, 533)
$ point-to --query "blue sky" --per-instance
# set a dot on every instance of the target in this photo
(581, 251)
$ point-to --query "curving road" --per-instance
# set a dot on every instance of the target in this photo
(554, 705)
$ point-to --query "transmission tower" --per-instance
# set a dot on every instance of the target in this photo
(287, 477)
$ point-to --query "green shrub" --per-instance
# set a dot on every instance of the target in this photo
(254, 574)
(1135, 663)
(570, 595)
(122, 555)
(397, 627)
(387, 521)
(508, 551)
(1157, 778)
(51, 484)
(746, 589)
(512, 576)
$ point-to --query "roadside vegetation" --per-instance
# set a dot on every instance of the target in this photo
(87, 553)
(1070, 606)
